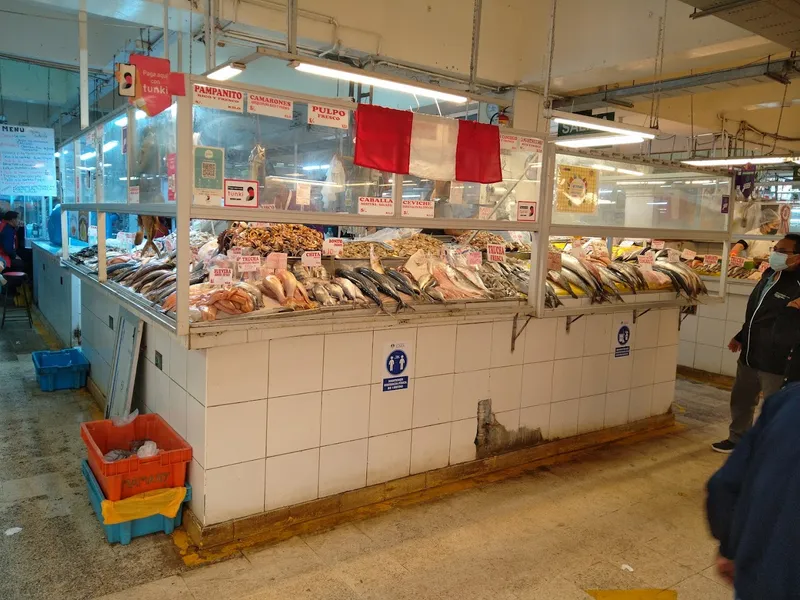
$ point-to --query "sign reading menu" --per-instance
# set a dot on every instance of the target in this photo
(27, 161)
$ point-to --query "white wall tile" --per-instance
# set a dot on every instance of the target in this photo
(469, 389)
(540, 340)
(537, 383)
(433, 400)
(162, 345)
(620, 372)
(617, 404)
(178, 357)
(686, 352)
(713, 311)
(388, 456)
(473, 347)
(731, 329)
(345, 415)
(380, 351)
(591, 413)
(644, 366)
(436, 350)
(729, 362)
(708, 358)
(509, 419)
(666, 363)
(641, 401)
(291, 478)
(501, 345)
(158, 393)
(234, 491)
(236, 433)
(295, 365)
(342, 467)
(688, 331)
(293, 423)
(505, 387)
(237, 373)
(177, 408)
(348, 360)
(594, 375)
(710, 331)
(430, 448)
(646, 332)
(462, 440)
(196, 374)
(197, 479)
(564, 418)
(196, 429)
(598, 335)
(570, 345)
(668, 327)
(567, 379)
(737, 307)
(536, 417)
(663, 395)
(390, 411)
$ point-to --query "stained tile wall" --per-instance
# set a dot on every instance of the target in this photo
(284, 421)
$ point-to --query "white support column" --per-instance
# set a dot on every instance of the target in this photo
(101, 247)
(165, 40)
(83, 65)
(397, 194)
(184, 177)
(64, 234)
(541, 244)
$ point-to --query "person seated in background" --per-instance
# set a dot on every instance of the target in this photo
(11, 261)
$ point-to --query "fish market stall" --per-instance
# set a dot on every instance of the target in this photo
(326, 334)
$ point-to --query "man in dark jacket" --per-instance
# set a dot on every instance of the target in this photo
(752, 504)
(771, 329)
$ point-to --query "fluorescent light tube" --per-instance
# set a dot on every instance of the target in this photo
(377, 82)
(596, 124)
(603, 140)
(88, 155)
(225, 72)
(735, 162)
(630, 172)
(123, 121)
(110, 145)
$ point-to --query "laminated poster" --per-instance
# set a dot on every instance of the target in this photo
(209, 170)
(27, 161)
(576, 190)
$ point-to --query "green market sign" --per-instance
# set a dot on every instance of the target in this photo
(567, 130)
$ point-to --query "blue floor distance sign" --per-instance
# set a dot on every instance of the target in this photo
(397, 359)
(622, 340)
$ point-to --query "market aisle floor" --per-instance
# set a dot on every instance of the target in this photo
(628, 517)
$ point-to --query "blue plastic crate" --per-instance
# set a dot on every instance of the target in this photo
(60, 369)
(125, 532)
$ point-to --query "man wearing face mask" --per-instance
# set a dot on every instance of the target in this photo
(771, 330)
(769, 222)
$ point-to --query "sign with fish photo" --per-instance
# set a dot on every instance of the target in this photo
(577, 189)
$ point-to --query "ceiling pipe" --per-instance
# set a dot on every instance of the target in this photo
(721, 8)
(551, 49)
(291, 26)
(476, 38)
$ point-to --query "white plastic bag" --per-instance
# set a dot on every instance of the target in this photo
(122, 421)
(147, 450)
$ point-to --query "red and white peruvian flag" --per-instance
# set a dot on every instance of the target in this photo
(400, 141)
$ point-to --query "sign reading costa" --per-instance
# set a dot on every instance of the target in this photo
(214, 97)
(328, 116)
(270, 106)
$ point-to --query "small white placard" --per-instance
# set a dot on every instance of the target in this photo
(526, 210)
(332, 247)
(657, 244)
(417, 208)
(276, 260)
(220, 275)
(303, 194)
(736, 261)
(688, 254)
(241, 193)
(496, 252)
(248, 264)
(216, 97)
(509, 142)
(328, 116)
(133, 194)
(311, 258)
(711, 259)
(270, 106)
(373, 205)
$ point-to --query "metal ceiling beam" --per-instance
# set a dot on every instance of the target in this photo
(774, 70)
(721, 8)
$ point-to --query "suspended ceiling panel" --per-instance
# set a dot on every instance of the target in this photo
(776, 20)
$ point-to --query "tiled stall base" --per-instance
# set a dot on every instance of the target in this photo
(293, 419)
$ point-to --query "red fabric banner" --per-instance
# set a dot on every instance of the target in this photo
(478, 153)
(383, 138)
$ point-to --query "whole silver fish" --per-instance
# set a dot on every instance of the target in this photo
(350, 289)
(322, 296)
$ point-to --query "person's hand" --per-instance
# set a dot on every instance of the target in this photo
(734, 345)
(726, 568)
(794, 303)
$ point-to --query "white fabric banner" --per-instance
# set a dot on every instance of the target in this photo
(433, 147)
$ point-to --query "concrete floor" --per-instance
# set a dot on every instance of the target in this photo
(629, 517)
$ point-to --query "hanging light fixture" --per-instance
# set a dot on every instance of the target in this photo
(226, 71)
(741, 161)
(595, 124)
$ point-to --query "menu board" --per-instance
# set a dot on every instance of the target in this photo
(27, 161)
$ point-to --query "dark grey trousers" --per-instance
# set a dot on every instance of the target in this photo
(744, 397)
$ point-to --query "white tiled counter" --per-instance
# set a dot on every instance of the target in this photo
(285, 418)
(704, 338)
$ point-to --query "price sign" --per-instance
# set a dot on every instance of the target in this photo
(626, 243)
(688, 254)
(657, 244)
(646, 261)
(371, 205)
(311, 258)
(711, 259)
(248, 264)
(93, 232)
(234, 252)
(485, 213)
(763, 266)
(332, 247)
(474, 259)
(673, 256)
(169, 244)
(496, 252)
(553, 261)
(578, 252)
(276, 260)
(220, 275)
(736, 261)
(303, 195)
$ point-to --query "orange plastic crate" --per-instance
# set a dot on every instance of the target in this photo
(134, 475)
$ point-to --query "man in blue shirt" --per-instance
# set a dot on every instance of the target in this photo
(8, 243)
